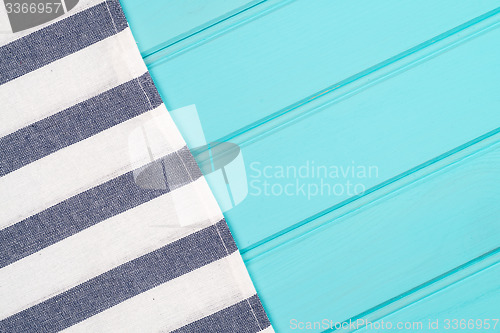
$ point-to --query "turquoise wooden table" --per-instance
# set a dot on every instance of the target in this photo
(370, 135)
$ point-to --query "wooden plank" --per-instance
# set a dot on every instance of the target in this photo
(386, 248)
(156, 24)
(475, 298)
(243, 73)
(394, 125)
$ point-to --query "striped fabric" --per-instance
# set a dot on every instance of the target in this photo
(106, 222)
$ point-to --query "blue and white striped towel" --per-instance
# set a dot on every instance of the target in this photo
(106, 223)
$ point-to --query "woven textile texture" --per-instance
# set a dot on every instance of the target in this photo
(106, 222)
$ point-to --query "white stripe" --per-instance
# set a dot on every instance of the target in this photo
(268, 330)
(68, 81)
(104, 246)
(85, 164)
(81, 6)
(4, 22)
(178, 302)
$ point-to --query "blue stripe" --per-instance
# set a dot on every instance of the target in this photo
(125, 281)
(60, 39)
(247, 316)
(77, 123)
(96, 205)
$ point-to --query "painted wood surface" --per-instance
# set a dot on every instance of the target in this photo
(476, 296)
(407, 88)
